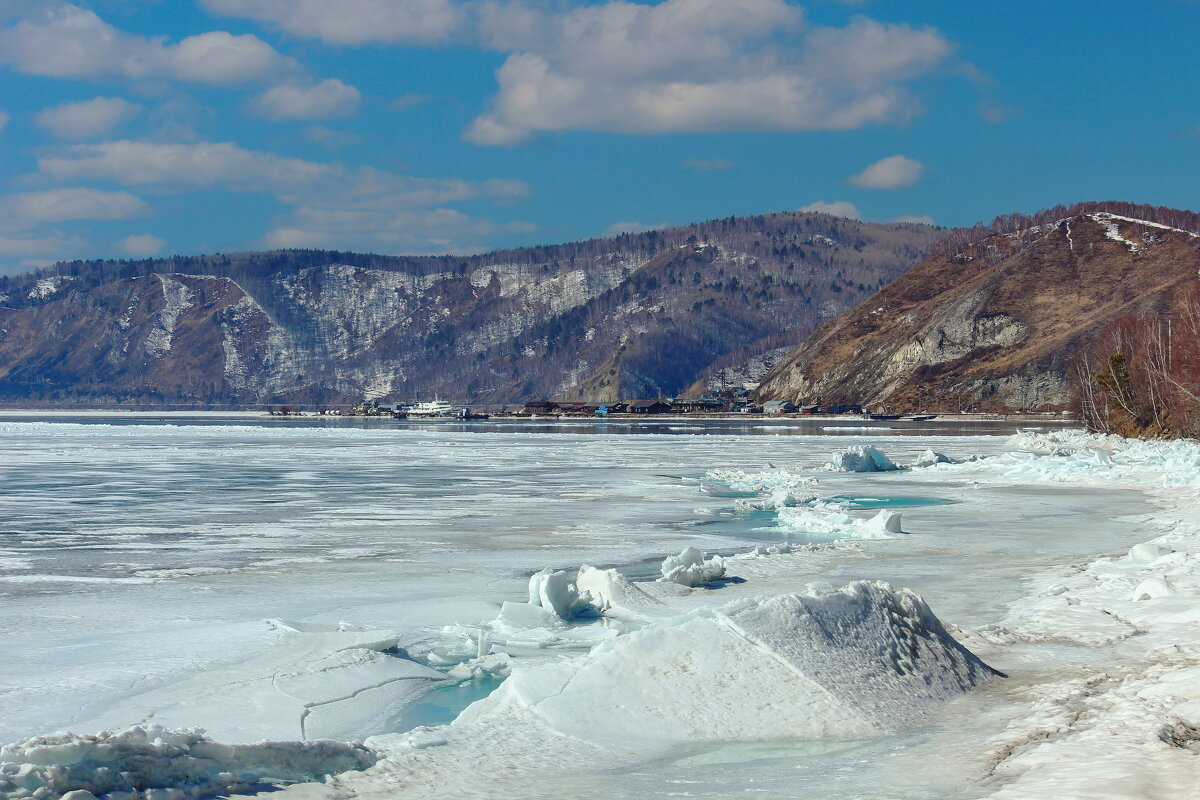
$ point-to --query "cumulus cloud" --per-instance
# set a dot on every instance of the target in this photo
(330, 202)
(697, 65)
(838, 208)
(142, 245)
(673, 66)
(353, 22)
(220, 57)
(87, 119)
(69, 204)
(709, 163)
(325, 100)
(66, 41)
(893, 172)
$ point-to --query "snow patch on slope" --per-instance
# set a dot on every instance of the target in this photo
(48, 286)
(177, 299)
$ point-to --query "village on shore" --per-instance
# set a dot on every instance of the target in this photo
(703, 407)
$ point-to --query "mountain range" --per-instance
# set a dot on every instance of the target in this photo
(636, 315)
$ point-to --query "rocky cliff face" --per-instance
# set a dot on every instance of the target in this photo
(631, 316)
(993, 326)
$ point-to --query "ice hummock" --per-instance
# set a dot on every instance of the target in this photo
(691, 568)
(145, 762)
(762, 481)
(860, 458)
(830, 520)
(557, 593)
(779, 487)
(857, 661)
(931, 458)
(610, 590)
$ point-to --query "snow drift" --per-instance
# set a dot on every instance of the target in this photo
(150, 761)
(854, 662)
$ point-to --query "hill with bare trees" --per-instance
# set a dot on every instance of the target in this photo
(993, 320)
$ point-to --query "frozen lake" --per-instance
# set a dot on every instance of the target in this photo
(138, 559)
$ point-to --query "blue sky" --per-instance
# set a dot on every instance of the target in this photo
(135, 128)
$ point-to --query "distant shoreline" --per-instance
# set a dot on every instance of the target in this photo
(781, 419)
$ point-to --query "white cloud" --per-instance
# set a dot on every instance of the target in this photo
(327, 99)
(632, 227)
(696, 65)
(70, 204)
(892, 172)
(220, 57)
(226, 165)
(143, 245)
(87, 119)
(919, 219)
(353, 22)
(709, 163)
(330, 202)
(838, 208)
(672, 66)
(29, 251)
(4, 118)
(202, 165)
(332, 138)
(67, 41)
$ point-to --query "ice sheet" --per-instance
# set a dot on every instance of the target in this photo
(1048, 565)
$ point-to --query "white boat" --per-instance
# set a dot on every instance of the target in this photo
(433, 408)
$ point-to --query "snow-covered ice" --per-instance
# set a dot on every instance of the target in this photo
(289, 585)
